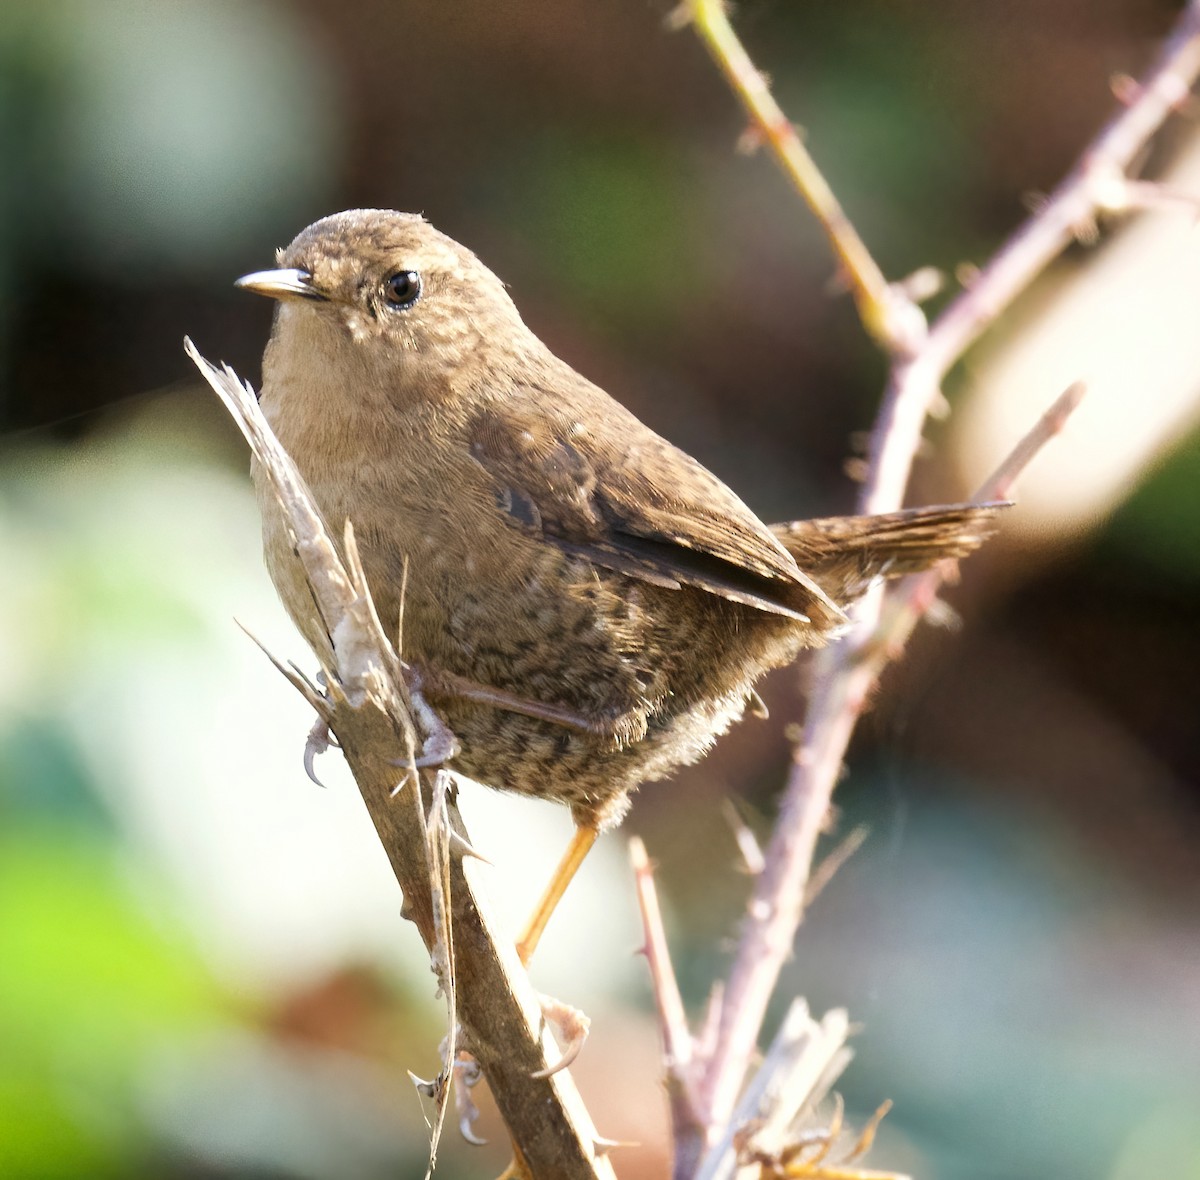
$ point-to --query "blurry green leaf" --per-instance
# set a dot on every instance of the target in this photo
(39, 1139)
(166, 132)
(89, 984)
(607, 208)
(80, 955)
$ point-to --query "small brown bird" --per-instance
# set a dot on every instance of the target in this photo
(586, 606)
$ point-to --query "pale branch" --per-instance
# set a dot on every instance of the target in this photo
(804, 1060)
(842, 680)
(886, 310)
(370, 709)
(999, 485)
(782, 889)
(1097, 184)
(917, 593)
(687, 1133)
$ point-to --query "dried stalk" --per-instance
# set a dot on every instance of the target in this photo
(687, 1132)
(377, 726)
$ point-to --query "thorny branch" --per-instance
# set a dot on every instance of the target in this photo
(920, 359)
(379, 726)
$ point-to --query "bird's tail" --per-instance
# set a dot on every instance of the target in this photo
(844, 554)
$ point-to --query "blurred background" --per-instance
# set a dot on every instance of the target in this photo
(203, 969)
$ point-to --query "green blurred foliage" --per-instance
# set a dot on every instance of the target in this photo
(602, 206)
(90, 982)
(96, 966)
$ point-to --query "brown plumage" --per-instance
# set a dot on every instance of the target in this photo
(588, 606)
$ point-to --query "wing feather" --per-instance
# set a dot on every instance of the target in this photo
(648, 510)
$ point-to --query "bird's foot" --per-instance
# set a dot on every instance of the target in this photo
(440, 744)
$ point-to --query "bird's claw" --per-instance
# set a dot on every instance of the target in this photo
(318, 742)
(468, 1074)
(573, 1027)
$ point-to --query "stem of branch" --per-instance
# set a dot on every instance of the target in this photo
(841, 690)
(687, 1133)
(845, 672)
(887, 312)
(369, 709)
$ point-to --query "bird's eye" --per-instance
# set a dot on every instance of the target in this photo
(402, 289)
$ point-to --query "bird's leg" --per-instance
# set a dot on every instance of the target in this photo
(577, 850)
(447, 684)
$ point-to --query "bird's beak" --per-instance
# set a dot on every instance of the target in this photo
(281, 284)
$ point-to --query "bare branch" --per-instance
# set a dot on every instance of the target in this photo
(805, 1059)
(687, 1131)
(369, 710)
(887, 312)
(845, 672)
(1077, 201)
(839, 694)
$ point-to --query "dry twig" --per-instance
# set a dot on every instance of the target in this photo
(921, 358)
(369, 708)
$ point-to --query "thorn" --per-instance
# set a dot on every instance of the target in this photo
(867, 1138)
(939, 407)
(838, 283)
(1087, 231)
(856, 469)
(602, 1146)
(942, 614)
(832, 863)
(753, 860)
(750, 140)
(678, 18)
(1034, 201)
(428, 1089)
(967, 274)
(1126, 90)
(923, 284)
(291, 674)
(464, 848)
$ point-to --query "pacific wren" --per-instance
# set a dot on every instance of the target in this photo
(587, 606)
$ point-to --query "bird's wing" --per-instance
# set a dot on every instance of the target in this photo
(628, 500)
